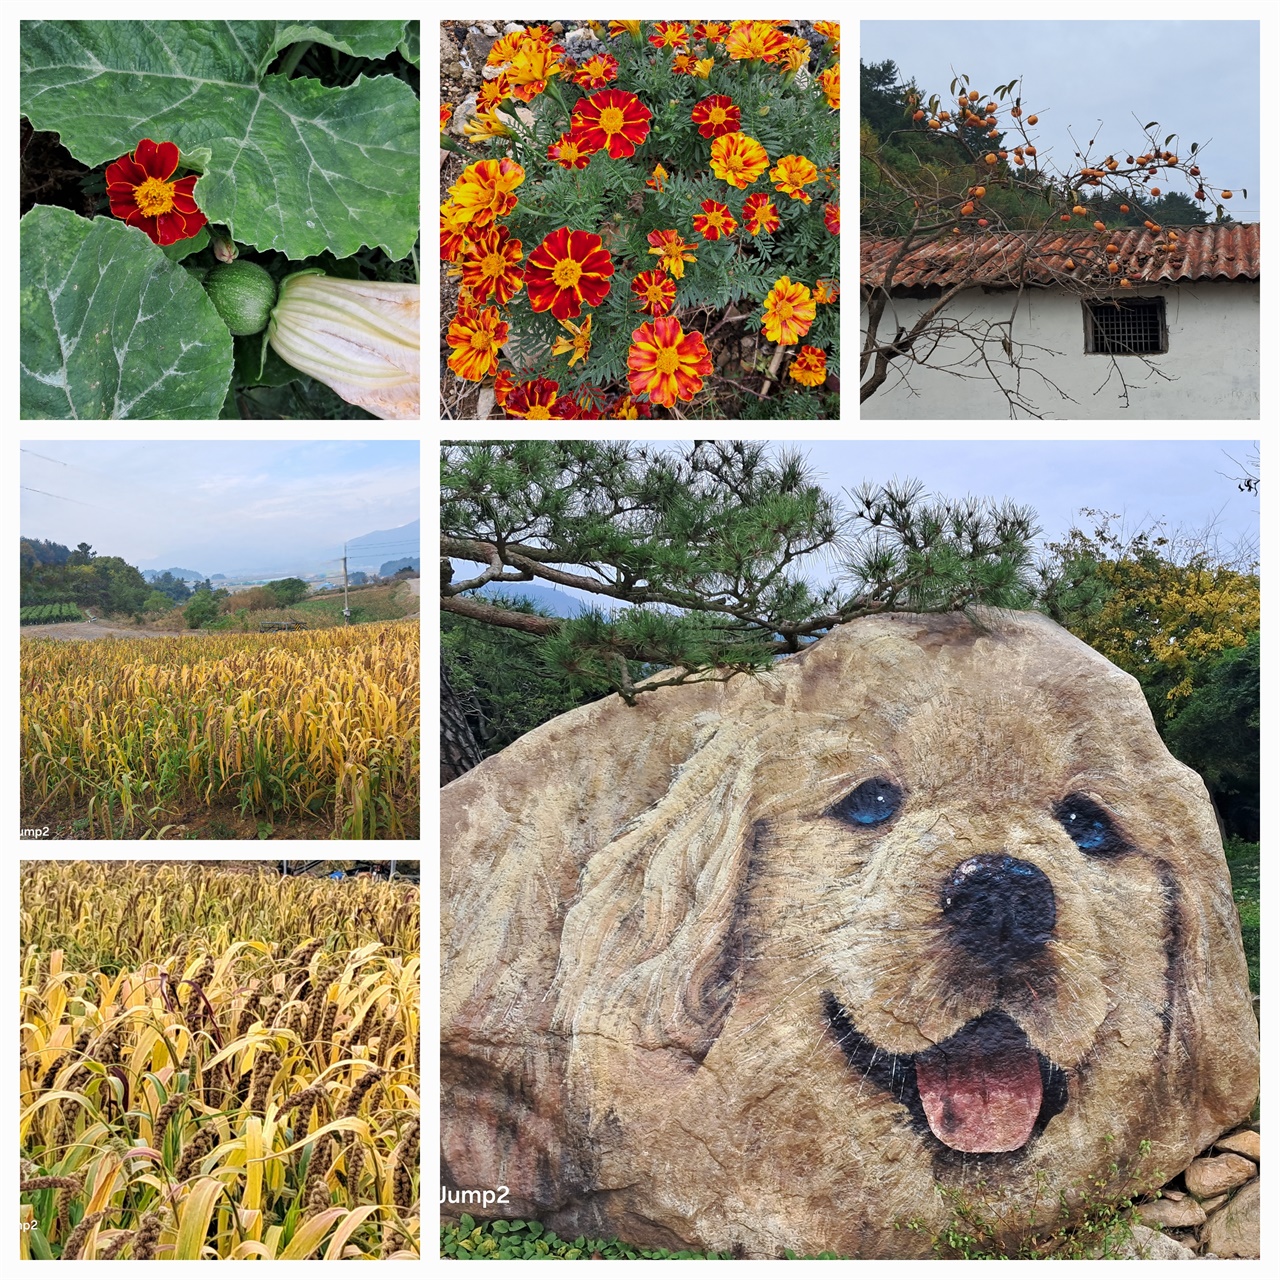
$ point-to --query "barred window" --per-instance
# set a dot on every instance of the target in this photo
(1125, 327)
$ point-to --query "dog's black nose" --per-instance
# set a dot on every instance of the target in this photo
(1000, 909)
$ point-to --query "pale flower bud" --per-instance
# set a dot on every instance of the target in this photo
(359, 337)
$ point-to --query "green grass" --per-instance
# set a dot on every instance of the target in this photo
(466, 1239)
(372, 605)
(1243, 863)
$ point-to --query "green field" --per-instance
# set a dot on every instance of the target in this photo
(39, 614)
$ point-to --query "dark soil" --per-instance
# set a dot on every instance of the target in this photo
(49, 175)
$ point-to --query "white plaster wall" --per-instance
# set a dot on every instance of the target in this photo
(1211, 365)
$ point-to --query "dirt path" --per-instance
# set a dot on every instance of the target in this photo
(83, 631)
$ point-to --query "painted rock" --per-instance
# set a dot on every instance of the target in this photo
(926, 913)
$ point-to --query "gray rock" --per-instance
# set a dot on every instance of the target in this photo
(1214, 1202)
(1171, 1213)
(1147, 1243)
(453, 70)
(557, 28)
(1210, 1175)
(510, 27)
(490, 31)
(1234, 1231)
(478, 47)
(1247, 1142)
(485, 403)
(462, 115)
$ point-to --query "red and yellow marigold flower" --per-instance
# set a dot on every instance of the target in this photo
(830, 82)
(671, 250)
(597, 71)
(755, 41)
(832, 31)
(618, 26)
(486, 191)
(716, 115)
(810, 366)
(569, 153)
(536, 399)
(629, 408)
(669, 35)
(612, 119)
(502, 384)
(446, 114)
(579, 343)
(788, 311)
(453, 227)
(140, 192)
(486, 124)
(711, 32)
(660, 176)
(683, 64)
(504, 48)
(666, 363)
(795, 54)
(831, 216)
(738, 159)
(489, 266)
(656, 291)
(568, 269)
(714, 221)
(476, 337)
(790, 175)
(493, 93)
(826, 291)
(532, 66)
(760, 214)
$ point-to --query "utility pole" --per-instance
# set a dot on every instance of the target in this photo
(346, 611)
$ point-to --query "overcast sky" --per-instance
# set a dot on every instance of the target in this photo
(1199, 79)
(1187, 484)
(267, 508)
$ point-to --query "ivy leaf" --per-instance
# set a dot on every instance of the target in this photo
(287, 164)
(110, 328)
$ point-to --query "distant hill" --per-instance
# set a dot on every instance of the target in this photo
(393, 567)
(187, 575)
(372, 549)
(556, 603)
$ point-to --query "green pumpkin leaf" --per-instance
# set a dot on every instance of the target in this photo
(110, 328)
(287, 164)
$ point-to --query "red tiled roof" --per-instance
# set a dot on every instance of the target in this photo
(1228, 251)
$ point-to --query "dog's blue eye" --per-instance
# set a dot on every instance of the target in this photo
(1089, 826)
(869, 804)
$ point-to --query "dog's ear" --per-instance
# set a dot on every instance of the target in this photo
(651, 950)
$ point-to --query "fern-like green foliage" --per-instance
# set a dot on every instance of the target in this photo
(786, 113)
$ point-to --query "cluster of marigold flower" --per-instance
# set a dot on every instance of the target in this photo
(571, 269)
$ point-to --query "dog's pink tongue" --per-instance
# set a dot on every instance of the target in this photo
(977, 1098)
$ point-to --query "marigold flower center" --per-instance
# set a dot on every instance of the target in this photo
(538, 411)
(783, 310)
(566, 273)
(612, 120)
(482, 341)
(154, 197)
(654, 293)
(494, 265)
(717, 115)
(668, 360)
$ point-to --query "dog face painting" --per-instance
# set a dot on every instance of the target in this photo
(775, 964)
